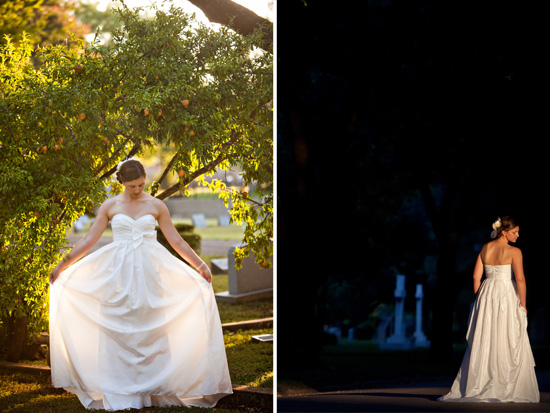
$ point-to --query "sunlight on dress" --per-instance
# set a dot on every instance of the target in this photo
(132, 326)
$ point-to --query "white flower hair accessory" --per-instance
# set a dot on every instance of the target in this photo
(496, 225)
(120, 164)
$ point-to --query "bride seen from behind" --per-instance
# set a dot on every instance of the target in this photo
(498, 365)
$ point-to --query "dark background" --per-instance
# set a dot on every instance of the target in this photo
(404, 129)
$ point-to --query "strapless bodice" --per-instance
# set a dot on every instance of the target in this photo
(498, 272)
(126, 228)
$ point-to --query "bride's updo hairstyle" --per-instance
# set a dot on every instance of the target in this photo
(130, 171)
(504, 224)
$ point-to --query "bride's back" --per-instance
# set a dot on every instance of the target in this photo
(497, 253)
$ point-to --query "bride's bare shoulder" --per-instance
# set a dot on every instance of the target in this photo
(515, 251)
(485, 247)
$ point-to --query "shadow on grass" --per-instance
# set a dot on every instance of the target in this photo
(250, 361)
(360, 367)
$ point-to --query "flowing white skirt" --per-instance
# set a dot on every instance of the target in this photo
(498, 365)
(132, 326)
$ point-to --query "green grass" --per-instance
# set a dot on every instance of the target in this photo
(31, 393)
(219, 282)
(230, 313)
(231, 232)
(250, 361)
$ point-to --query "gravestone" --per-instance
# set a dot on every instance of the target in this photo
(223, 220)
(398, 341)
(199, 220)
(247, 284)
(219, 265)
(337, 332)
(420, 339)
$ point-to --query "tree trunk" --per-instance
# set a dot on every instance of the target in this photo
(17, 335)
(444, 299)
(448, 224)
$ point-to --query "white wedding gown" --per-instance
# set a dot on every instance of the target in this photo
(498, 364)
(132, 326)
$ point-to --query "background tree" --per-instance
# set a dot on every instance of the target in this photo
(397, 102)
(45, 21)
(67, 124)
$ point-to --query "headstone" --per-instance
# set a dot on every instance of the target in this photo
(223, 220)
(335, 331)
(381, 332)
(398, 341)
(81, 223)
(199, 220)
(219, 265)
(247, 284)
(420, 339)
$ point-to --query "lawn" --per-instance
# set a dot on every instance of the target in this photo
(230, 313)
(32, 392)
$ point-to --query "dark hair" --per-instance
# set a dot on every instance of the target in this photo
(130, 171)
(506, 224)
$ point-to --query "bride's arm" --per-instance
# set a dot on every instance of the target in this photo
(517, 266)
(478, 272)
(84, 244)
(179, 244)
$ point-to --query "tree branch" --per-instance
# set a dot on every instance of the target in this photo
(221, 157)
(111, 171)
(237, 17)
(164, 174)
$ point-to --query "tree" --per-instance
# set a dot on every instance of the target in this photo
(358, 131)
(67, 124)
(45, 21)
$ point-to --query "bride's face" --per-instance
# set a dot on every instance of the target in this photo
(134, 188)
(512, 235)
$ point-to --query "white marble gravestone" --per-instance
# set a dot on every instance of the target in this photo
(419, 337)
(199, 220)
(398, 341)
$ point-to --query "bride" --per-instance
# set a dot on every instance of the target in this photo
(498, 365)
(131, 325)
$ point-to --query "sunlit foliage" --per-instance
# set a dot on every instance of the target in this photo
(65, 126)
